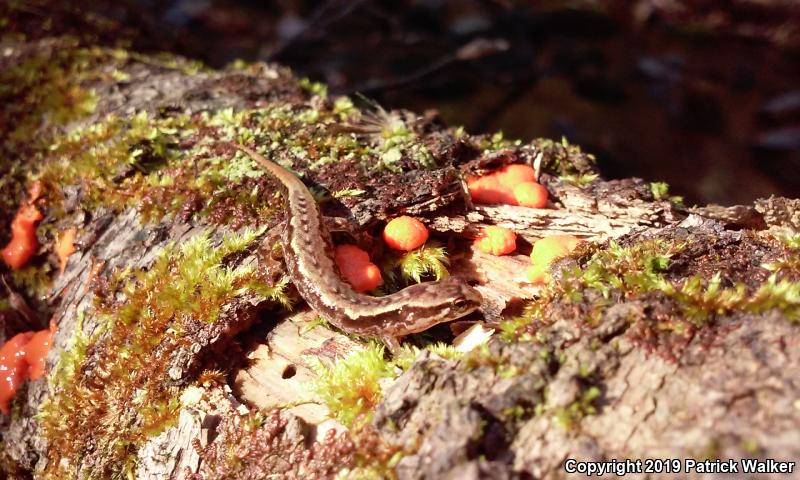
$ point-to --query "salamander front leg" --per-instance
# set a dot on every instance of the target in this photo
(345, 226)
(391, 342)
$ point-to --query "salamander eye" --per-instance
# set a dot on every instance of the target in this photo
(460, 303)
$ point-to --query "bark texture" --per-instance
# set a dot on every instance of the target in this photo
(593, 379)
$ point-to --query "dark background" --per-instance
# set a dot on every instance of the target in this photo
(702, 94)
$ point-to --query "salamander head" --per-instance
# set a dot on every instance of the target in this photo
(432, 303)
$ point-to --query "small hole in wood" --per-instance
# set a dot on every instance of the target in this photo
(289, 371)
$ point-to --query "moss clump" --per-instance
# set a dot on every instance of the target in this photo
(570, 416)
(253, 445)
(660, 191)
(109, 389)
(139, 162)
(35, 280)
(47, 86)
(788, 263)
(638, 272)
(430, 260)
(179, 165)
(566, 161)
(497, 142)
(351, 387)
(774, 294)
(609, 274)
(110, 160)
(407, 354)
(793, 242)
(580, 179)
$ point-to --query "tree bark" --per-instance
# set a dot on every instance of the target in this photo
(591, 385)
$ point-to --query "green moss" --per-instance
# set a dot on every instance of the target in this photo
(314, 88)
(122, 399)
(349, 192)
(517, 412)
(480, 357)
(515, 329)
(660, 191)
(580, 179)
(405, 356)
(96, 155)
(565, 160)
(345, 108)
(634, 269)
(36, 281)
(428, 260)
(774, 294)
(137, 162)
(752, 447)
(630, 270)
(350, 387)
(701, 300)
(568, 418)
(445, 351)
(790, 261)
(497, 142)
(48, 87)
(395, 141)
(792, 241)
(619, 273)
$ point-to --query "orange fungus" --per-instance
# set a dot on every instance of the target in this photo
(13, 368)
(513, 184)
(546, 251)
(22, 357)
(512, 175)
(356, 268)
(530, 194)
(65, 246)
(36, 351)
(487, 189)
(496, 240)
(23, 242)
(405, 233)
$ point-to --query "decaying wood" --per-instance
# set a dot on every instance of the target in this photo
(734, 384)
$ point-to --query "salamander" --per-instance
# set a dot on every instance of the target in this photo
(307, 253)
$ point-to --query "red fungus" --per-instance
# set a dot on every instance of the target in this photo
(23, 242)
(13, 368)
(22, 357)
(356, 268)
(405, 233)
(496, 240)
(35, 351)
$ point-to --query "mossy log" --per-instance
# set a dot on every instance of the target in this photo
(672, 333)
